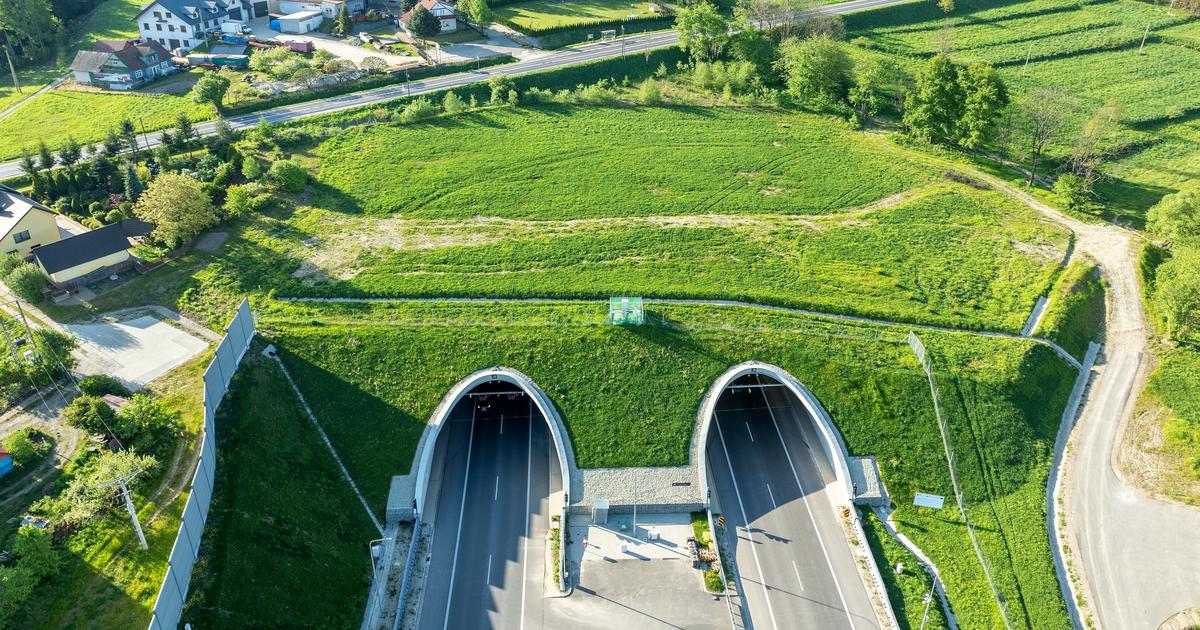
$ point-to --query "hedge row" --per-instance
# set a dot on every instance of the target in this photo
(558, 38)
(380, 80)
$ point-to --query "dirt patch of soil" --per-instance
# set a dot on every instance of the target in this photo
(1147, 463)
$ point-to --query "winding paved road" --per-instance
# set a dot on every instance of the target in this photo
(558, 59)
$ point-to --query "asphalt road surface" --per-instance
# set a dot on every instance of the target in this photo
(557, 59)
(792, 556)
(489, 555)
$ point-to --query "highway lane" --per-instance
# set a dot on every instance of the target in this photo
(792, 555)
(488, 568)
(551, 61)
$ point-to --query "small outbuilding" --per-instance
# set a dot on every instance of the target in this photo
(85, 257)
(299, 22)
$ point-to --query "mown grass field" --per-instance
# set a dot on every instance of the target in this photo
(540, 15)
(773, 207)
(1090, 49)
(53, 116)
(285, 545)
(380, 370)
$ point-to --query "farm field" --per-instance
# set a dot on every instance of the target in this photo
(381, 369)
(1090, 50)
(544, 15)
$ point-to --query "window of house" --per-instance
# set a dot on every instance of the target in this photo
(21, 237)
(146, 25)
(158, 27)
(158, 15)
(171, 28)
(168, 14)
(183, 29)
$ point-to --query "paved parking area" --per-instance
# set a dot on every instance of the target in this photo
(262, 30)
(136, 350)
(624, 580)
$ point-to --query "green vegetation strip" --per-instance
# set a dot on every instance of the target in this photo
(285, 544)
(380, 369)
(1075, 316)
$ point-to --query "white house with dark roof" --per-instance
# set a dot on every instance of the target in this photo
(447, 18)
(24, 224)
(91, 255)
(184, 24)
(121, 65)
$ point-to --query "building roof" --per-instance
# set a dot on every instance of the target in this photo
(89, 61)
(13, 208)
(190, 11)
(300, 15)
(89, 246)
(428, 4)
(131, 53)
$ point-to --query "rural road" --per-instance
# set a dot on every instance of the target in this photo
(795, 565)
(488, 566)
(557, 59)
(1137, 555)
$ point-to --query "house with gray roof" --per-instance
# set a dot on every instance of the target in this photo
(121, 64)
(184, 24)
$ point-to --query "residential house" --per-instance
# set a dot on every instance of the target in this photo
(328, 8)
(121, 64)
(92, 255)
(184, 24)
(24, 224)
(442, 11)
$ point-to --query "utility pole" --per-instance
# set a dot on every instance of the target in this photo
(8, 340)
(11, 69)
(1144, 36)
(144, 138)
(1027, 56)
(123, 482)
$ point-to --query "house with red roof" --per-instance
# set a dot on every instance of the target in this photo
(440, 10)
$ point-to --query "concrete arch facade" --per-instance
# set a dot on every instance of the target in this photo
(423, 461)
(831, 439)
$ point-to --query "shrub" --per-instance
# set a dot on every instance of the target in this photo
(26, 445)
(143, 420)
(288, 176)
(8, 263)
(27, 281)
(419, 109)
(244, 199)
(452, 104)
(101, 384)
(251, 169)
(91, 414)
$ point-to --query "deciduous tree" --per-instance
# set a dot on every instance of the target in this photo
(934, 106)
(984, 97)
(178, 207)
(703, 32)
(816, 68)
(211, 88)
(1176, 218)
(1044, 113)
(422, 23)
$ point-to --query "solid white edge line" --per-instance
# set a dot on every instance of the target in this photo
(462, 506)
(528, 515)
(496, 492)
(762, 582)
(487, 580)
(749, 431)
(774, 506)
(808, 508)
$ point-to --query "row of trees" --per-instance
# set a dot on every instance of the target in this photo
(1175, 295)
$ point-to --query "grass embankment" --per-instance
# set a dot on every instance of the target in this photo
(285, 544)
(1075, 315)
(703, 536)
(381, 369)
(776, 207)
(1090, 50)
(906, 590)
(107, 581)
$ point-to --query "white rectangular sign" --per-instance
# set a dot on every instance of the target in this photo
(934, 501)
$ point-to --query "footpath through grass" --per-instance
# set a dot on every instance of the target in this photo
(380, 370)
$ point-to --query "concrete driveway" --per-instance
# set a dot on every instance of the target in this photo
(136, 351)
(262, 30)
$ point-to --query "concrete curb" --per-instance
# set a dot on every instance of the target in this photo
(1054, 517)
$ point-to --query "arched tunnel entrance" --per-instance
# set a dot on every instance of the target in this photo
(777, 467)
(489, 478)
